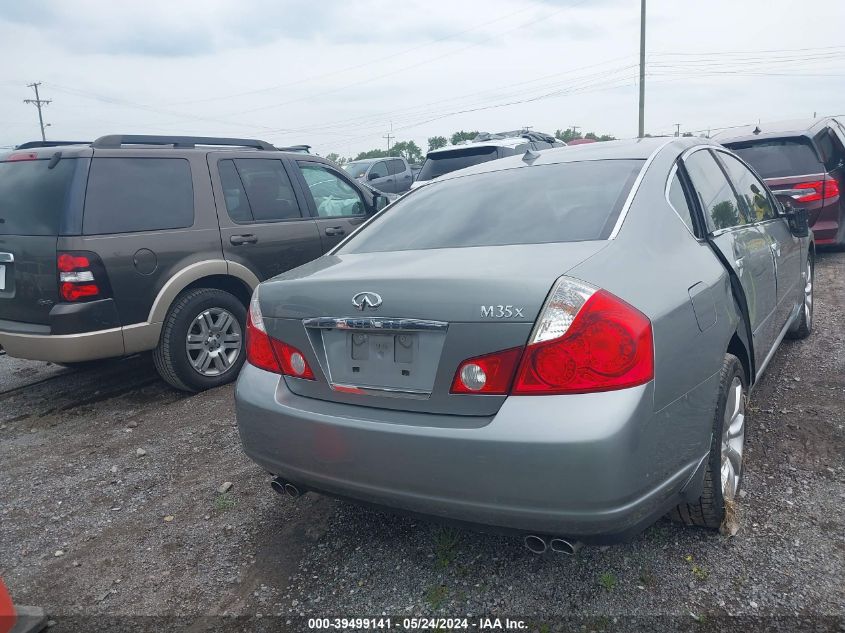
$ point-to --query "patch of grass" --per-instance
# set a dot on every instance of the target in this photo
(446, 542)
(730, 524)
(436, 596)
(607, 581)
(700, 573)
(224, 502)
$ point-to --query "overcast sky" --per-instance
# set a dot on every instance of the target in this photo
(335, 74)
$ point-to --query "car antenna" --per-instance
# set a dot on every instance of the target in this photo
(529, 156)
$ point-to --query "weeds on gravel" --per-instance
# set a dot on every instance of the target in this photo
(224, 502)
(608, 581)
(647, 578)
(446, 542)
(436, 596)
(699, 573)
(730, 524)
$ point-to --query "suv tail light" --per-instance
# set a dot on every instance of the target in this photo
(271, 354)
(585, 340)
(817, 190)
(82, 276)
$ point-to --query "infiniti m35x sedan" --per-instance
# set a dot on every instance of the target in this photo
(559, 344)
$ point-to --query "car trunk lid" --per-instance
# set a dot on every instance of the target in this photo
(416, 316)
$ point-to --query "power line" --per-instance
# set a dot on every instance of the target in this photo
(38, 102)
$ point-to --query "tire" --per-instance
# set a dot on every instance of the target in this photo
(710, 509)
(199, 313)
(803, 325)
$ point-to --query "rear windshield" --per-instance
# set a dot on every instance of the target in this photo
(776, 158)
(565, 202)
(441, 163)
(32, 197)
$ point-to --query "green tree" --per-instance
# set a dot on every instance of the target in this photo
(725, 215)
(567, 135)
(436, 142)
(457, 137)
(337, 158)
(408, 150)
(373, 153)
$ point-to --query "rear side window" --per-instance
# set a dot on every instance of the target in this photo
(777, 158)
(721, 208)
(257, 190)
(396, 167)
(441, 163)
(268, 189)
(565, 202)
(32, 197)
(678, 200)
(126, 195)
(833, 154)
(752, 193)
(379, 170)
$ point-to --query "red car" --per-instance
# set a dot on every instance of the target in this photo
(805, 159)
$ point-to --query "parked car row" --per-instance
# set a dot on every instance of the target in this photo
(442, 354)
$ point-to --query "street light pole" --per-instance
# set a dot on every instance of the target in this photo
(642, 69)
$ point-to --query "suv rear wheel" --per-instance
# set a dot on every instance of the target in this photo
(202, 340)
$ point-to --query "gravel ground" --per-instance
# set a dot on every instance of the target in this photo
(110, 507)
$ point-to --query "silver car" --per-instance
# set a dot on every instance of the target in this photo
(559, 344)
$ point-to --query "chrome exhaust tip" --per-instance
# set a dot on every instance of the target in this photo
(291, 490)
(279, 486)
(286, 488)
(536, 544)
(562, 546)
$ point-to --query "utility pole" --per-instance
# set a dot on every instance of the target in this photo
(388, 137)
(677, 129)
(38, 102)
(575, 129)
(642, 69)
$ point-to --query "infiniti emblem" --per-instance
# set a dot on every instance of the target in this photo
(366, 300)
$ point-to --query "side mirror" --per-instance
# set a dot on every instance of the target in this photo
(380, 201)
(797, 217)
(372, 176)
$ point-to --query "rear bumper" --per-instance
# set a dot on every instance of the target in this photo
(61, 348)
(583, 466)
(826, 224)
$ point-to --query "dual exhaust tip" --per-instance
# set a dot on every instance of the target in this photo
(536, 544)
(541, 544)
(286, 488)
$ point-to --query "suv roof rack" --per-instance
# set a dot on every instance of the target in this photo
(301, 149)
(35, 144)
(115, 141)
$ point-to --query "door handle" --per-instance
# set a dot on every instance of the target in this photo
(237, 240)
(335, 230)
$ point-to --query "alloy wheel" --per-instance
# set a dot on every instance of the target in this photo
(214, 341)
(733, 439)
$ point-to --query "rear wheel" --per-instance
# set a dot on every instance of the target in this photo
(803, 325)
(202, 340)
(724, 464)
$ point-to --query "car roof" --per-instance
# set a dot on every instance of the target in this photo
(626, 149)
(772, 129)
(496, 142)
(374, 160)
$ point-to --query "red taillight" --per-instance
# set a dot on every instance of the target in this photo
(77, 279)
(75, 292)
(489, 374)
(271, 354)
(66, 262)
(607, 346)
(817, 190)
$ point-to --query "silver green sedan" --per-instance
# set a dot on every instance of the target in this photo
(559, 344)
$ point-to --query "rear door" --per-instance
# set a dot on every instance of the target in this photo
(743, 246)
(264, 222)
(333, 200)
(34, 202)
(401, 173)
(785, 247)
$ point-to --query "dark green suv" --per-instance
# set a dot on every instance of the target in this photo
(138, 243)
